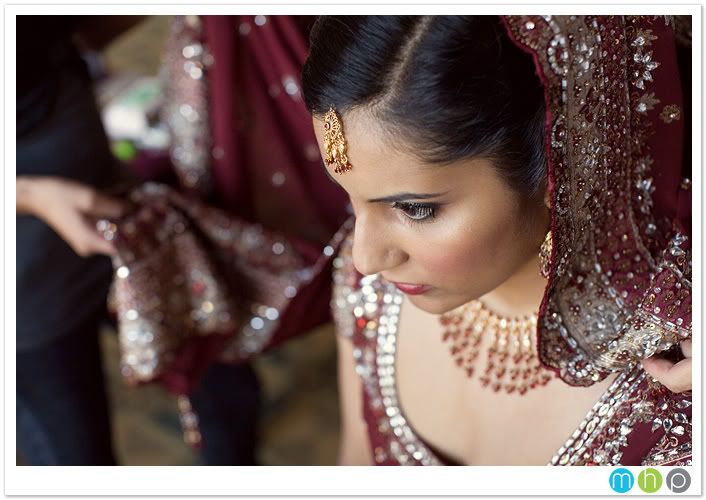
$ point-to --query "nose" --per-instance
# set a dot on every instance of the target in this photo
(374, 250)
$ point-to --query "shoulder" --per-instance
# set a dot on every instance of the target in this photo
(346, 288)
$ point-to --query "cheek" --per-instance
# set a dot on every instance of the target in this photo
(454, 259)
(468, 252)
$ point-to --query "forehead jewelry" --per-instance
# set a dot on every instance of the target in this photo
(335, 145)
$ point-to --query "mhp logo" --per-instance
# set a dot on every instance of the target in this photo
(621, 480)
(650, 480)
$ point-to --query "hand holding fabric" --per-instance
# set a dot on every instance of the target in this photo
(674, 376)
(71, 209)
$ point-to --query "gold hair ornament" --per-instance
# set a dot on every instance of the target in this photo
(335, 143)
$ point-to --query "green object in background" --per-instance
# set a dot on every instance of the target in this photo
(124, 150)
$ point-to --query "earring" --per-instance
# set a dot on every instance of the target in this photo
(545, 254)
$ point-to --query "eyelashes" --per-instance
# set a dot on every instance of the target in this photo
(416, 212)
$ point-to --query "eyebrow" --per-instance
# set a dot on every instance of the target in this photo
(405, 197)
(392, 198)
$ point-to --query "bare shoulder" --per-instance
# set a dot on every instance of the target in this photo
(354, 448)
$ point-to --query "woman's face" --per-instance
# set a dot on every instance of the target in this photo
(444, 234)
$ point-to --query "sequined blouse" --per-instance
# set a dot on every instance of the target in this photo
(637, 421)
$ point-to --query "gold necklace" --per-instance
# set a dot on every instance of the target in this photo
(512, 362)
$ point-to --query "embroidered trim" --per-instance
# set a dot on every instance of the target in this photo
(185, 109)
(606, 263)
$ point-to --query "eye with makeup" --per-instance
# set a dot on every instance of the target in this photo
(416, 212)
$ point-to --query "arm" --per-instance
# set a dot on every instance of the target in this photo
(354, 448)
(24, 195)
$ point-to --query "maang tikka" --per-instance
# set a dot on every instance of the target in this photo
(335, 145)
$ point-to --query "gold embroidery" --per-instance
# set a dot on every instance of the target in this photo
(599, 150)
(670, 113)
(670, 417)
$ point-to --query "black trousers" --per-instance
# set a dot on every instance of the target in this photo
(63, 416)
(62, 407)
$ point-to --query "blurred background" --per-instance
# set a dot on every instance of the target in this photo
(299, 423)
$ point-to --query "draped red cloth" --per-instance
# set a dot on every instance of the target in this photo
(249, 170)
(620, 283)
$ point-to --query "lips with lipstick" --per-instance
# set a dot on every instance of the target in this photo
(412, 289)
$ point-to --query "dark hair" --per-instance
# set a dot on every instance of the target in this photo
(453, 86)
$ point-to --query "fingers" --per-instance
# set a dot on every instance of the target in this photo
(657, 367)
(97, 245)
(107, 206)
(83, 238)
(92, 202)
(93, 244)
(68, 207)
(676, 377)
(94, 241)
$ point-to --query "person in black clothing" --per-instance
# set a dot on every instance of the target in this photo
(64, 168)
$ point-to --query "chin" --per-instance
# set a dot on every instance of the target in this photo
(434, 305)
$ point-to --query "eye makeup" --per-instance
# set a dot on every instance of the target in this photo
(416, 212)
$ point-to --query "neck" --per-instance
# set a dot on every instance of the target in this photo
(520, 295)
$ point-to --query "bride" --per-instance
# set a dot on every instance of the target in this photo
(520, 240)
